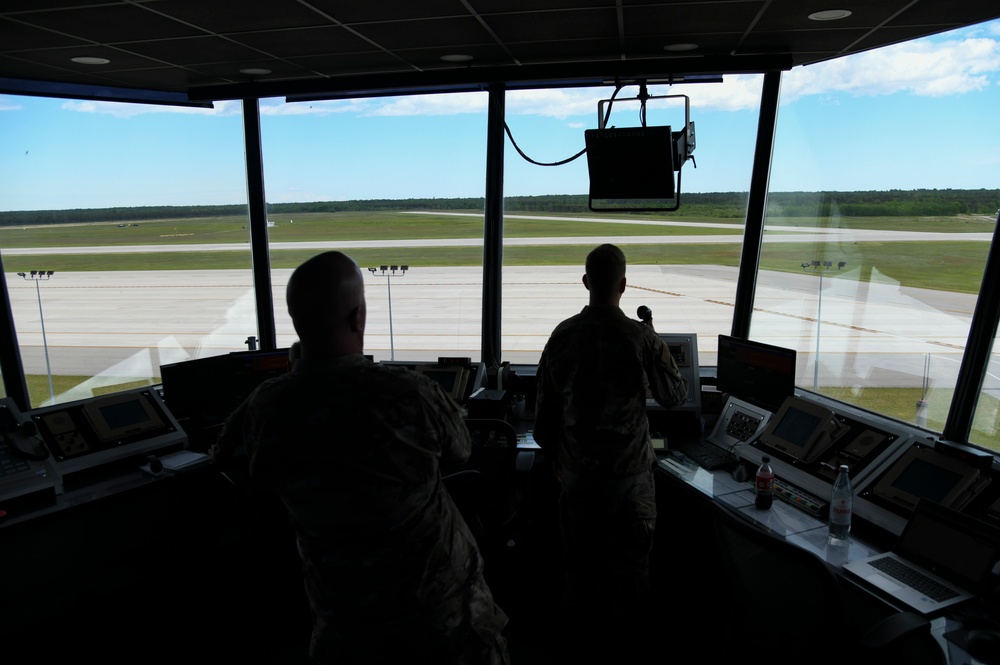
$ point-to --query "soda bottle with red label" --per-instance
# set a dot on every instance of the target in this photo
(765, 484)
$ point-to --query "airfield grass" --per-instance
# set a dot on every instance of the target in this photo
(329, 227)
(901, 404)
(951, 265)
(409, 226)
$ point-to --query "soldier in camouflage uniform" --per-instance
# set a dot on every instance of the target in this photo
(591, 415)
(355, 450)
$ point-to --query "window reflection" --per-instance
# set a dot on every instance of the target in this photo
(876, 295)
(364, 177)
(138, 230)
(986, 422)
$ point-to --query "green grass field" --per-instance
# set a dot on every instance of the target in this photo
(901, 404)
(952, 265)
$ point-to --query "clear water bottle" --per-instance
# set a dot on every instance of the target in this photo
(841, 504)
(764, 484)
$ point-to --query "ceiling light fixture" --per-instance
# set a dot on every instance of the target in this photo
(677, 48)
(830, 15)
(255, 71)
(456, 57)
(89, 60)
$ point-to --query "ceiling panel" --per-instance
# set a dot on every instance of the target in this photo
(195, 49)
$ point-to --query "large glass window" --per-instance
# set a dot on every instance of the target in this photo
(682, 265)
(124, 236)
(875, 237)
(986, 423)
(394, 183)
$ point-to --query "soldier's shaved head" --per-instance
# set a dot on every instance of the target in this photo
(605, 274)
(326, 300)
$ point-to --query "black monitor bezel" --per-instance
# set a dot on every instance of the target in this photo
(752, 392)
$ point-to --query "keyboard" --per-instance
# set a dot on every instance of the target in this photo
(10, 465)
(900, 571)
(707, 455)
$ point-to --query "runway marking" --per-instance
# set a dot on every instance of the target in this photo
(800, 317)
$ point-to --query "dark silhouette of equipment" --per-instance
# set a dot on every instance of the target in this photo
(644, 313)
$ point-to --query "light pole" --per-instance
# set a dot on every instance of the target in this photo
(389, 272)
(820, 267)
(37, 276)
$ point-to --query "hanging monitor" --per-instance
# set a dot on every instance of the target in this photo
(631, 168)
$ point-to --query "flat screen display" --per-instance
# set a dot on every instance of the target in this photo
(452, 379)
(630, 164)
(211, 388)
(930, 481)
(924, 473)
(761, 374)
(797, 427)
(122, 416)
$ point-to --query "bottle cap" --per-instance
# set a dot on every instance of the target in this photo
(765, 459)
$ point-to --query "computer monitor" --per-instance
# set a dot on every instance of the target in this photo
(924, 473)
(630, 168)
(452, 378)
(803, 429)
(192, 388)
(684, 349)
(760, 374)
(118, 417)
(211, 388)
(249, 369)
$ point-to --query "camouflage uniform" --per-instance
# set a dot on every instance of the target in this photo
(355, 451)
(591, 413)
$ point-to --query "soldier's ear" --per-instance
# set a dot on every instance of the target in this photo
(357, 319)
(586, 282)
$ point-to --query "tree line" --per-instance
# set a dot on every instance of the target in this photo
(888, 203)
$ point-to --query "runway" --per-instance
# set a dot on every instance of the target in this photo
(117, 325)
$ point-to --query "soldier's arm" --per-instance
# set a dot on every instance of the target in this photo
(666, 384)
(448, 420)
(548, 409)
(231, 438)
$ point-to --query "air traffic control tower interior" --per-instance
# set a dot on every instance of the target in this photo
(124, 541)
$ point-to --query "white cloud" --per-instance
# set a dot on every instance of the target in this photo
(279, 107)
(449, 104)
(128, 110)
(924, 67)
(556, 103)
(7, 104)
(740, 92)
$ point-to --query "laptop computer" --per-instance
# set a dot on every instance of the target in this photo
(949, 557)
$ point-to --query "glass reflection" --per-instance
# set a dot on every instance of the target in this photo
(132, 244)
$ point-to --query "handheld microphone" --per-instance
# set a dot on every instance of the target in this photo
(644, 313)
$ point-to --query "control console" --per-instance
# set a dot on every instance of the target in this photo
(22, 455)
(88, 433)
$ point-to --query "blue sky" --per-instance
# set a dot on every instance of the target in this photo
(920, 114)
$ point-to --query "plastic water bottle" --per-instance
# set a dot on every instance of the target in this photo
(765, 484)
(841, 504)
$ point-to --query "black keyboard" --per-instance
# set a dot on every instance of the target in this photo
(11, 465)
(707, 455)
(898, 570)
